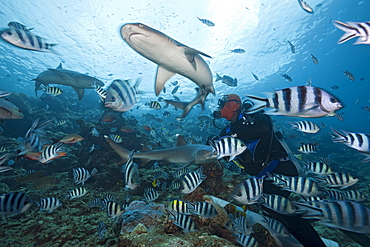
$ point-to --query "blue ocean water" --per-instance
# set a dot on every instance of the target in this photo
(87, 38)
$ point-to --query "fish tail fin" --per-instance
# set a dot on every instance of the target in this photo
(337, 136)
(350, 31)
(218, 77)
(258, 108)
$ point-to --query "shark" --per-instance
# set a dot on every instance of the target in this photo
(172, 57)
(182, 153)
(76, 80)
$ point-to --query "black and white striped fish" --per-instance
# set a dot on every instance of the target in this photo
(358, 141)
(277, 227)
(334, 195)
(154, 105)
(51, 90)
(5, 168)
(81, 175)
(346, 215)
(116, 138)
(49, 204)
(207, 22)
(51, 152)
(228, 146)
(243, 225)
(76, 193)
(354, 29)
(151, 194)
(180, 172)
(17, 25)
(101, 92)
(113, 209)
(175, 185)
(318, 167)
(301, 101)
(249, 191)
(102, 228)
(26, 40)
(180, 207)
(306, 127)
(14, 203)
(97, 202)
(60, 122)
(279, 204)
(131, 174)
(354, 195)
(184, 221)
(301, 185)
(246, 240)
(307, 148)
(190, 181)
(121, 96)
(204, 209)
(339, 179)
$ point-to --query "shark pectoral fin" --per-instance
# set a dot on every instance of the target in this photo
(194, 52)
(62, 75)
(80, 92)
(162, 76)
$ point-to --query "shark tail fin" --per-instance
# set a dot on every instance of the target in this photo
(121, 151)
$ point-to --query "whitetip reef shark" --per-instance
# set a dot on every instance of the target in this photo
(76, 80)
(183, 153)
(172, 58)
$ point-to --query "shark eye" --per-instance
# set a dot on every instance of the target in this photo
(141, 25)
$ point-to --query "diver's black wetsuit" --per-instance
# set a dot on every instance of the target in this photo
(258, 126)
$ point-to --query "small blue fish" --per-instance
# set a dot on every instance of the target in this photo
(239, 50)
(207, 22)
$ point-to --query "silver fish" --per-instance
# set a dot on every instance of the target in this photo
(207, 22)
(190, 181)
(292, 48)
(121, 96)
(228, 146)
(131, 175)
(17, 25)
(314, 59)
(249, 191)
(14, 203)
(354, 29)
(185, 222)
(358, 141)
(306, 127)
(305, 6)
(77, 193)
(349, 75)
(227, 80)
(49, 204)
(204, 209)
(307, 148)
(80, 175)
(301, 101)
(26, 40)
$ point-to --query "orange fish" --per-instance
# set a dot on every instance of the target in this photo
(147, 127)
(127, 129)
(71, 138)
(109, 117)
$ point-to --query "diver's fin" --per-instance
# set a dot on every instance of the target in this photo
(162, 76)
(80, 92)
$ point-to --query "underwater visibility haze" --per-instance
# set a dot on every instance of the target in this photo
(111, 114)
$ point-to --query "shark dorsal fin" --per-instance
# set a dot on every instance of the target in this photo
(59, 66)
(180, 141)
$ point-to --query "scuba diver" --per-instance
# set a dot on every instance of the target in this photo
(268, 153)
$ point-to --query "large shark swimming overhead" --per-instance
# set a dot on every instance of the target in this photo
(172, 57)
(65, 77)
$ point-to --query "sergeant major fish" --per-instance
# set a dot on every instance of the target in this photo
(121, 96)
(306, 126)
(17, 25)
(301, 101)
(249, 191)
(14, 203)
(190, 181)
(49, 204)
(26, 40)
(131, 175)
(207, 22)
